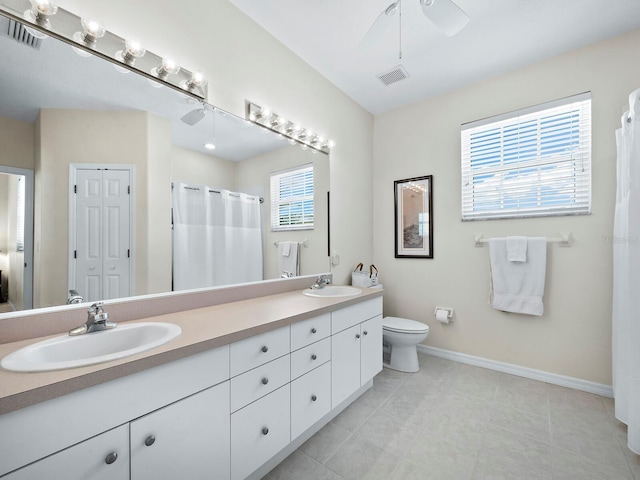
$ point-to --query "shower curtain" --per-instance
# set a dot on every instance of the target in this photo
(626, 275)
(217, 237)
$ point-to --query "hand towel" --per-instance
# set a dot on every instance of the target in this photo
(288, 264)
(517, 249)
(518, 286)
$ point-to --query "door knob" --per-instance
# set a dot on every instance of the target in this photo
(265, 380)
(150, 440)
(314, 357)
(265, 431)
(313, 398)
(313, 330)
(265, 349)
(111, 458)
(357, 335)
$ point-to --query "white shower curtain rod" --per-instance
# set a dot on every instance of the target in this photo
(233, 194)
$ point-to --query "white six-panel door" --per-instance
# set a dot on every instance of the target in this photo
(101, 260)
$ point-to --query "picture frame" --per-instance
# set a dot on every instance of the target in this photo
(414, 217)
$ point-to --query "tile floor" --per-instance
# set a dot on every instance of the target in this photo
(451, 421)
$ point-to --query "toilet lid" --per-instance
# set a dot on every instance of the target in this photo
(403, 325)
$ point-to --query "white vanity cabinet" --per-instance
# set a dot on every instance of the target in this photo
(104, 457)
(187, 439)
(356, 347)
(229, 413)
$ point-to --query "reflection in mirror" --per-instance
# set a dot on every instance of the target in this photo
(77, 122)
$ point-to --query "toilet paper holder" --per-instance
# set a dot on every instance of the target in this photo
(445, 309)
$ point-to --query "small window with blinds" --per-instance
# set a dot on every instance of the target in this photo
(20, 206)
(292, 199)
(530, 163)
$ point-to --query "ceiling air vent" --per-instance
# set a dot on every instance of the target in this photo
(19, 33)
(392, 76)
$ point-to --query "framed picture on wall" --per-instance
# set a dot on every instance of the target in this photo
(414, 217)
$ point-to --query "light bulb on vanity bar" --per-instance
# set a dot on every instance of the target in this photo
(39, 14)
(132, 50)
(197, 81)
(92, 30)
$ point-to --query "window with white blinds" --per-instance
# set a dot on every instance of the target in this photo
(529, 163)
(292, 199)
(20, 214)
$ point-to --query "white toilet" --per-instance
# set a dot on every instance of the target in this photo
(403, 335)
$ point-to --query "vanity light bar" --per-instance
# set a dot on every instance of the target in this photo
(46, 19)
(293, 132)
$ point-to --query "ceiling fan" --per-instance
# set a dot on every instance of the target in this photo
(444, 14)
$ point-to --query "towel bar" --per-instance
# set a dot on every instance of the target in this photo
(564, 240)
(304, 243)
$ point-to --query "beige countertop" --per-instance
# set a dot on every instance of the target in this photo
(202, 329)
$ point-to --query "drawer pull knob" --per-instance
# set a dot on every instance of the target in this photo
(265, 349)
(265, 380)
(265, 431)
(150, 440)
(313, 398)
(365, 332)
(111, 458)
(313, 330)
(314, 357)
(357, 335)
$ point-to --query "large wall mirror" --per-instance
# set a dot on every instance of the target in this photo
(62, 113)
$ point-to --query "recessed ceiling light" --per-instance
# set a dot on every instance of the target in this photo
(209, 146)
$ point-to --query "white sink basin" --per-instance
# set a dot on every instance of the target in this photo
(333, 291)
(68, 352)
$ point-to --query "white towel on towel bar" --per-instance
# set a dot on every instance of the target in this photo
(517, 249)
(288, 258)
(518, 286)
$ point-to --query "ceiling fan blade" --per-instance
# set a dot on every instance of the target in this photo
(379, 27)
(445, 15)
(194, 116)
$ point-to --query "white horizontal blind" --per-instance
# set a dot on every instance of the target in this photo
(20, 214)
(292, 199)
(533, 162)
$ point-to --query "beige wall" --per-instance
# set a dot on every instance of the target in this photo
(573, 337)
(133, 138)
(188, 166)
(16, 139)
(254, 176)
(242, 61)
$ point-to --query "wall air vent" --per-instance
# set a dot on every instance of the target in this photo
(392, 76)
(19, 33)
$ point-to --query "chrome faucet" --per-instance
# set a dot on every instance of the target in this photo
(286, 274)
(320, 282)
(74, 297)
(97, 320)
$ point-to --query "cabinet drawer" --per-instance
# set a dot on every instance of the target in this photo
(354, 314)
(309, 331)
(308, 358)
(259, 431)
(256, 383)
(310, 399)
(255, 351)
(85, 460)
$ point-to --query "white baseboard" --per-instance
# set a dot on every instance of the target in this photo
(553, 378)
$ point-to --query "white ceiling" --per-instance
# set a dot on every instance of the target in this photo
(502, 35)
